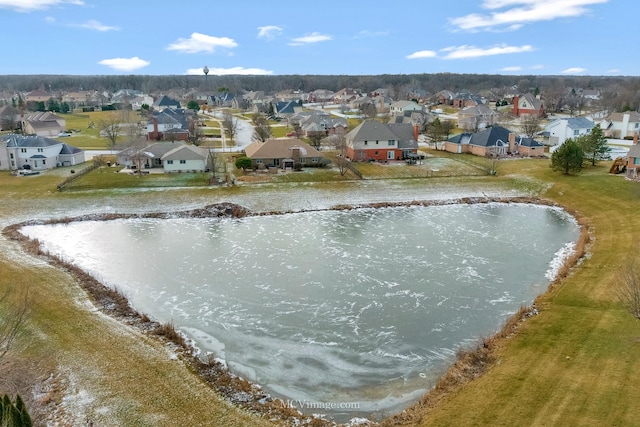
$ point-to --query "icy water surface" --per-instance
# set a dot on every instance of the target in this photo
(359, 310)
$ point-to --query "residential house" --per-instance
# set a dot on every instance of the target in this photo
(81, 98)
(287, 109)
(475, 118)
(444, 97)
(398, 108)
(170, 156)
(284, 153)
(495, 141)
(169, 125)
(313, 124)
(345, 96)
(466, 99)
(633, 160)
(621, 125)
(321, 96)
(43, 123)
(164, 102)
(37, 96)
(372, 140)
(559, 130)
(36, 153)
(527, 104)
(415, 118)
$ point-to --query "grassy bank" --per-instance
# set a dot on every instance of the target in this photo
(574, 363)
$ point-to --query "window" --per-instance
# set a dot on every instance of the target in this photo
(576, 132)
(375, 152)
(183, 162)
(314, 160)
(391, 143)
(376, 142)
(44, 161)
(23, 150)
(258, 161)
(169, 162)
(12, 156)
(636, 160)
(40, 150)
(637, 125)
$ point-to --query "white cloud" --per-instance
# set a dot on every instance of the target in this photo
(125, 64)
(202, 43)
(269, 32)
(465, 52)
(97, 26)
(522, 12)
(310, 38)
(368, 33)
(614, 71)
(422, 54)
(31, 5)
(230, 71)
(537, 67)
(574, 70)
(511, 69)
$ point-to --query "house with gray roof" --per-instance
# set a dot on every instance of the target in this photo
(559, 130)
(372, 140)
(43, 123)
(495, 141)
(475, 118)
(36, 153)
(169, 156)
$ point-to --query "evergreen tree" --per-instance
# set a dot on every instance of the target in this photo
(568, 157)
(594, 145)
(14, 414)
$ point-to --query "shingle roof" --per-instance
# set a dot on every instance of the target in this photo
(371, 130)
(579, 123)
(279, 149)
(494, 136)
(21, 141)
(186, 152)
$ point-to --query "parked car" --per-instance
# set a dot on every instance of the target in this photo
(64, 134)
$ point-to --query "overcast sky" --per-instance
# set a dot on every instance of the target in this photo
(516, 37)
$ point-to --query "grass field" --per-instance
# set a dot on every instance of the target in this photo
(575, 363)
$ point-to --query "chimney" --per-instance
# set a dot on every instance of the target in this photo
(416, 132)
(516, 100)
(295, 154)
(635, 138)
(512, 142)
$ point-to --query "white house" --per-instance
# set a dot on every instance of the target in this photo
(170, 156)
(399, 107)
(36, 153)
(621, 125)
(559, 130)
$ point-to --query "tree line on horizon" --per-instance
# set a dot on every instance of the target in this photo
(618, 93)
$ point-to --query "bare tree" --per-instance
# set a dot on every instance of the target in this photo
(628, 288)
(261, 127)
(368, 111)
(447, 127)
(195, 131)
(230, 124)
(315, 140)
(341, 147)
(530, 125)
(110, 128)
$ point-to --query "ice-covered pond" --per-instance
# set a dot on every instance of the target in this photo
(361, 308)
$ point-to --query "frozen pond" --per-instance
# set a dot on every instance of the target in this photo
(361, 308)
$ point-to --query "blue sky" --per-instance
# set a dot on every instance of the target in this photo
(511, 37)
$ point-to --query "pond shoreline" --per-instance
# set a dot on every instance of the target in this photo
(470, 364)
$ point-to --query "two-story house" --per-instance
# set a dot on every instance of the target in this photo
(559, 130)
(36, 153)
(621, 125)
(372, 140)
